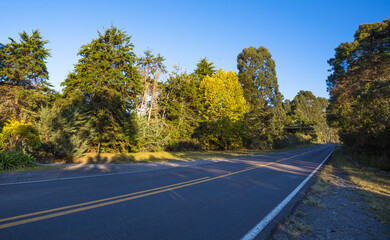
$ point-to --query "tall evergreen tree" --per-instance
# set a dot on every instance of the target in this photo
(257, 76)
(23, 63)
(105, 85)
(204, 68)
(24, 85)
(359, 90)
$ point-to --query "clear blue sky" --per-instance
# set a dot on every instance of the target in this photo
(301, 35)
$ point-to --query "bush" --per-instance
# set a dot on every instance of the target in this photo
(19, 136)
(151, 136)
(185, 145)
(10, 160)
(288, 140)
(64, 132)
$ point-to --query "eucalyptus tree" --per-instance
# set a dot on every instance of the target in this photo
(151, 67)
(257, 75)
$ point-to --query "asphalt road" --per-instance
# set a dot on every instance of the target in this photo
(221, 200)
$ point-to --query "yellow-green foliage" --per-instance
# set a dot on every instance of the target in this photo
(19, 136)
(222, 97)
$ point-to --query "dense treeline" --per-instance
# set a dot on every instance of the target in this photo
(359, 87)
(115, 101)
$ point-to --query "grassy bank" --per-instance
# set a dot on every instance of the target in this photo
(144, 157)
(33, 168)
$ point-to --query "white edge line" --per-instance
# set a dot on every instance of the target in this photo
(263, 223)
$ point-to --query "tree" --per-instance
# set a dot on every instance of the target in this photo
(151, 68)
(257, 76)
(359, 89)
(23, 63)
(222, 107)
(308, 112)
(105, 86)
(64, 131)
(204, 68)
(24, 85)
(178, 104)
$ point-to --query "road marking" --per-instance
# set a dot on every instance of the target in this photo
(123, 198)
(263, 223)
(96, 201)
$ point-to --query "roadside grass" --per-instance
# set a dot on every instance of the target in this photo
(313, 202)
(145, 157)
(296, 227)
(375, 185)
(34, 168)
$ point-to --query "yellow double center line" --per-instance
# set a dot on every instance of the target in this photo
(56, 212)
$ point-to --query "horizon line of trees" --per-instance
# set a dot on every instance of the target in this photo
(115, 101)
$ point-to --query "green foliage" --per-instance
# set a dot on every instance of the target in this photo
(23, 63)
(105, 87)
(222, 108)
(64, 132)
(360, 88)
(10, 160)
(204, 68)
(308, 116)
(222, 134)
(185, 145)
(178, 104)
(19, 136)
(152, 136)
(20, 103)
(222, 97)
(24, 86)
(257, 75)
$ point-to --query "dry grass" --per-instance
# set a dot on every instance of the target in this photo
(312, 201)
(172, 156)
(296, 227)
(375, 185)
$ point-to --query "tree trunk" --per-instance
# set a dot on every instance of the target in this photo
(98, 151)
(153, 93)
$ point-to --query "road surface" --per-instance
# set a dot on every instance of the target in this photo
(220, 200)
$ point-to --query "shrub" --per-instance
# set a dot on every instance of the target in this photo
(185, 145)
(19, 136)
(151, 136)
(65, 133)
(10, 160)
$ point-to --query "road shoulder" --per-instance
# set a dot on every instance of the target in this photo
(336, 208)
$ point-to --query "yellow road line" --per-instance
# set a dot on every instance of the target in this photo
(96, 201)
(125, 197)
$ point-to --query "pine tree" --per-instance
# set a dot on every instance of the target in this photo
(204, 68)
